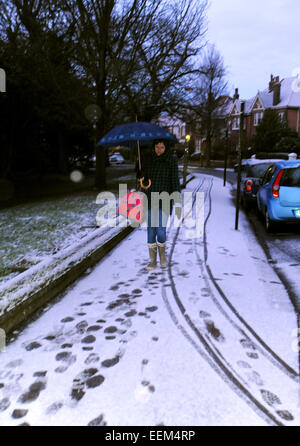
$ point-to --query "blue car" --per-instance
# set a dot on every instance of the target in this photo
(278, 198)
(252, 173)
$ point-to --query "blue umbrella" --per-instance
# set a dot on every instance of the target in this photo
(127, 134)
(135, 132)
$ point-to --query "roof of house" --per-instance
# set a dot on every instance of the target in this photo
(169, 121)
(237, 104)
(289, 96)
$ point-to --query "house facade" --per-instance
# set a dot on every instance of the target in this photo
(180, 129)
(281, 95)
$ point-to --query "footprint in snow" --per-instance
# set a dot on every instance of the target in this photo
(85, 380)
(246, 343)
(270, 398)
(285, 415)
(54, 408)
(110, 362)
(33, 392)
(214, 331)
(14, 364)
(4, 404)
(94, 328)
(99, 421)
(67, 319)
(244, 364)
(19, 413)
(130, 313)
(40, 374)
(255, 378)
(32, 346)
(92, 358)
(90, 339)
(204, 314)
(252, 355)
(81, 326)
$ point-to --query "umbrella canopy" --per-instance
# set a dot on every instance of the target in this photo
(126, 134)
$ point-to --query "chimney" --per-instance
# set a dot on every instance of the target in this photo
(236, 94)
(271, 83)
(276, 91)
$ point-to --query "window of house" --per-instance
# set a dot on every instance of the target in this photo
(176, 131)
(281, 116)
(236, 123)
(258, 117)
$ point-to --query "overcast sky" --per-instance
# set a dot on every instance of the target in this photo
(256, 38)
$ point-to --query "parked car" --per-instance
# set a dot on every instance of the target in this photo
(116, 158)
(278, 198)
(244, 163)
(263, 156)
(82, 162)
(252, 173)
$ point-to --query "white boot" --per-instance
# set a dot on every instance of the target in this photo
(162, 254)
(152, 254)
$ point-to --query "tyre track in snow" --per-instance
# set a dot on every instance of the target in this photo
(213, 354)
(265, 348)
(268, 247)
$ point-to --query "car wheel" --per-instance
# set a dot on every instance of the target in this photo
(271, 225)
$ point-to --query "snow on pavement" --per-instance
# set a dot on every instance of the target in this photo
(124, 346)
(244, 273)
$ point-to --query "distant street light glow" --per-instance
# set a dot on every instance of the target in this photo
(76, 176)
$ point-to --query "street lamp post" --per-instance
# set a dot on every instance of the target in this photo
(226, 155)
(186, 152)
(238, 192)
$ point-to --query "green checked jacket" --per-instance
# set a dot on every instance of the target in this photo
(163, 172)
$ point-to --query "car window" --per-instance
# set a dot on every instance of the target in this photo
(291, 177)
(257, 170)
(269, 174)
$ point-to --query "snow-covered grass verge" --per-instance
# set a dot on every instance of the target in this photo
(43, 240)
(33, 232)
(17, 290)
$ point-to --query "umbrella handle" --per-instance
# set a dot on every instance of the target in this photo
(142, 184)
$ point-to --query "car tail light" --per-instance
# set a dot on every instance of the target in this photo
(249, 185)
(276, 184)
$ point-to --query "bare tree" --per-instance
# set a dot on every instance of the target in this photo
(209, 95)
(136, 55)
(100, 37)
(165, 43)
(44, 89)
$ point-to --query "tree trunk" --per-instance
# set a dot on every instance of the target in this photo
(101, 85)
(100, 180)
(209, 125)
(208, 145)
(62, 154)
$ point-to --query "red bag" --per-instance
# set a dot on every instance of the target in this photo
(131, 206)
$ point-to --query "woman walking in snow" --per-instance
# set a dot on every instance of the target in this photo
(162, 169)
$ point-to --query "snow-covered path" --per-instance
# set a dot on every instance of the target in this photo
(208, 341)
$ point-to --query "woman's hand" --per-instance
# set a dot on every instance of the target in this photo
(145, 183)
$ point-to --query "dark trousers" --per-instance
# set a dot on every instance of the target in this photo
(157, 224)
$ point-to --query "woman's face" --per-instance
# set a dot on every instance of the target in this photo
(160, 148)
